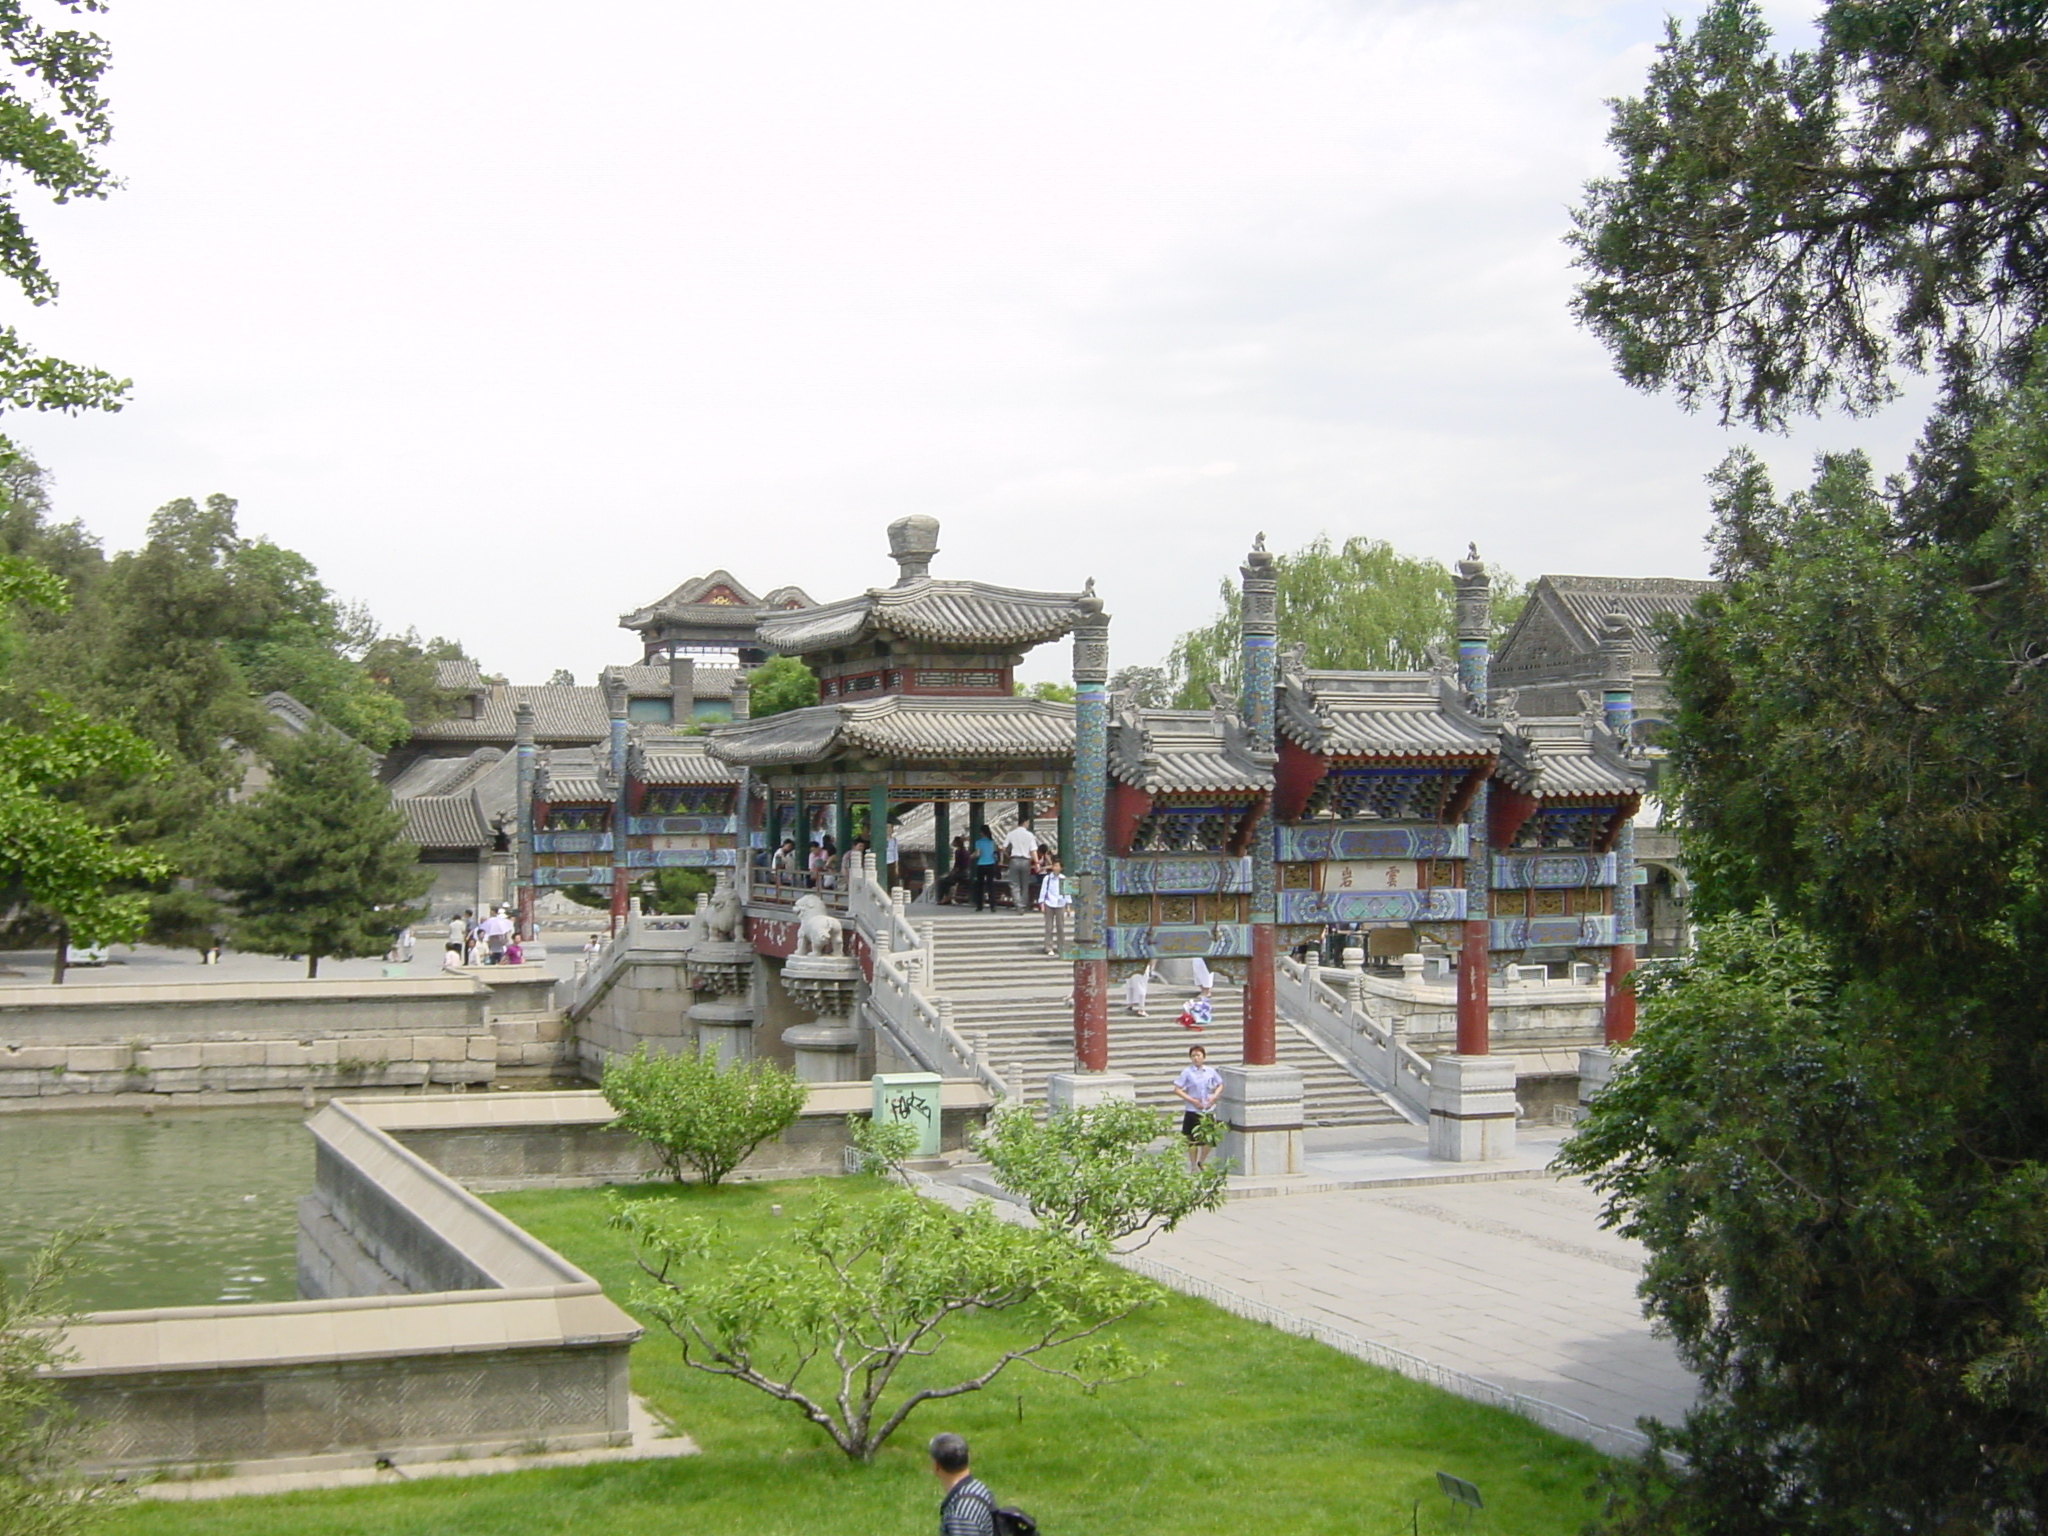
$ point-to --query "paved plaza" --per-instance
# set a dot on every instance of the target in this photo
(1508, 1280)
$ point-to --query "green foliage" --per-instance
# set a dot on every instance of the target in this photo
(56, 120)
(674, 890)
(1787, 228)
(317, 863)
(1835, 1138)
(1056, 693)
(1312, 1440)
(1363, 606)
(694, 1112)
(882, 1146)
(184, 918)
(40, 1494)
(1146, 687)
(403, 666)
(781, 684)
(1097, 1174)
(860, 1290)
(53, 856)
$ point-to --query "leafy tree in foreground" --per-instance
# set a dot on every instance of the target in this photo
(1096, 1173)
(40, 1495)
(317, 863)
(1364, 606)
(859, 1291)
(781, 684)
(54, 858)
(56, 121)
(695, 1112)
(1788, 227)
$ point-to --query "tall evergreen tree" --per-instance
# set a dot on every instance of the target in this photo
(1833, 1134)
(317, 863)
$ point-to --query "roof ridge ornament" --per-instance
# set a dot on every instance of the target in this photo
(913, 541)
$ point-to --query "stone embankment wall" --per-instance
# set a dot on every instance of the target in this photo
(559, 1140)
(440, 1329)
(280, 1036)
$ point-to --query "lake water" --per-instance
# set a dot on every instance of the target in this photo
(199, 1205)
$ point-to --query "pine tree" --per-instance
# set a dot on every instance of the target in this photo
(318, 862)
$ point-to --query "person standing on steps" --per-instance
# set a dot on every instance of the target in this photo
(1136, 986)
(1022, 843)
(1053, 901)
(984, 868)
(1198, 1086)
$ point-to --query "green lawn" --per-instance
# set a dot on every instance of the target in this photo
(1239, 1429)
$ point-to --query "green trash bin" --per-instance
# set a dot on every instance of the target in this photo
(912, 1099)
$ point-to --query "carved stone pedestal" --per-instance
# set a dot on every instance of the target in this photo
(1471, 1108)
(826, 986)
(725, 1028)
(1083, 1090)
(1261, 1106)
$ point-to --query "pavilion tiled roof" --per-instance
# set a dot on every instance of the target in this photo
(651, 682)
(1569, 759)
(678, 764)
(1163, 751)
(561, 712)
(1382, 714)
(902, 727)
(446, 821)
(963, 613)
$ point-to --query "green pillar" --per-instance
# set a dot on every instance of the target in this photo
(1066, 821)
(843, 818)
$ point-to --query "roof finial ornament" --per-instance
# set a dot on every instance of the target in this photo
(1259, 543)
(1088, 587)
(913, 541)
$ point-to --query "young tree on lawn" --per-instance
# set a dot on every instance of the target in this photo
(318, 863)
(856, 1290)
(1095, 1173)
(40, 1494)
(693, 1111)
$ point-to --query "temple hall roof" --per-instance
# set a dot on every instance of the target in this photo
(1381, 714)
(1560, 625)
(900, 726)
(718, 599)
(682, 763)
(961, 613)
(1164, 751)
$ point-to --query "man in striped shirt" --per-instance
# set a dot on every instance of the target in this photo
(968, 1508)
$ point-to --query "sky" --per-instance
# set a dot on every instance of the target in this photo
(512, 317)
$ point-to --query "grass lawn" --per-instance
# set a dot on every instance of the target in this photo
(1239, 1429)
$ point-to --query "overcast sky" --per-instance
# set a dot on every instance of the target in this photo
(512, 316)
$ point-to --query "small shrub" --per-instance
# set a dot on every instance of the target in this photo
(883, 1146)
(694, 1112)
(1098, 1172)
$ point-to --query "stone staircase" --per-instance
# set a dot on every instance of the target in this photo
(1015, 999)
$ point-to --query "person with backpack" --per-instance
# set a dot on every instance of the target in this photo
(969, 1509)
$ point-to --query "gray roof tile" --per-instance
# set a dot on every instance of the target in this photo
(1162, 751)
(900, 727)
(940, 612)
(1382, 714)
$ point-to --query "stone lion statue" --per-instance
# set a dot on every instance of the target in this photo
(722, 915)
(817, 931)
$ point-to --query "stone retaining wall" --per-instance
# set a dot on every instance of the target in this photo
(559, 1140)
(513, 1348)
(329, 1036)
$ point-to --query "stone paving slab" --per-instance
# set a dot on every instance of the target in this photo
(1508, 1281)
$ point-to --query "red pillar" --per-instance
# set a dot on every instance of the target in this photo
(1259, 1049)
(1091, 1015)
(1619, 1014)
(1473, 962)
(618, 887)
